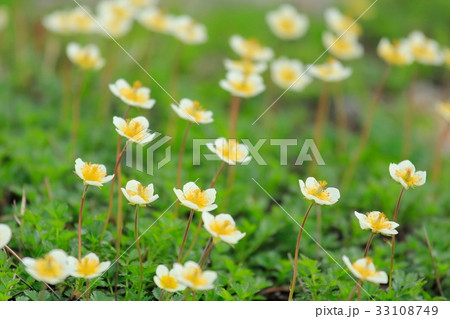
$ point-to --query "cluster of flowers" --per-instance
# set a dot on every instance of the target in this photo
(364, 269)
(115, 18)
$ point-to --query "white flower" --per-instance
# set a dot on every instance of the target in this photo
(316, 191)
(58, 22)
(443, 108)
(396, 53)
(156, 20)
(81, 22)
(425, 50)
(168, 280)
(189, 31)
(222, 227)
(137, 194)
(117, 9)
(5, 235)
(245, 66)
(4, 18)
(243, 85)
(331, 71)
(340, 23)
(92, 174)
(193, 112)
(135, 130)
(51, 269)
(194, 277)
(289, 74)
(250, 49)
(346, 47)
(113, 27)
(194, 198)
(87, 57)
(364, 269)
(89, 266)
(141, 4)
(230, 151)
(405, 174)
(136, 95)
(287, 23)
(377, 222)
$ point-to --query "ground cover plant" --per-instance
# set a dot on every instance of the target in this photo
(87, 212)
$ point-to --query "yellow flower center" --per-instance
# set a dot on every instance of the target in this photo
(120, 12)
(85, 59)
(139, 192)
(168, 282)
(422, 51)
(230, 151)
(252, 47)
(286, 24)
(87, 267)
(246, 66)
(83, 22)
(133, 130)
(244, 87)
(319, 191)
(378, 222)
(342, 45)
(194, 276)
(92, 172)
(48, 267)
(288, 75)
(197, 197)
(196, 111)
(364, 270)
(408, 176)
(224, 227)
(345, 24)
(133, 93)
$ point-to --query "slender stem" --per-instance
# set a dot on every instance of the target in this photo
(77, 110)
(80, 220)
(408, 118)
(180, 164)
(359, 290)
(393, 238)
(436, 273)
(352, 293)
(368, 244)
(234, 114)
(297, 247)
(191, 215)
(219, 171)
(161, 296)
(319, 228)
(138, 246)
(364, 137)
(168, 296)
(42, 292)
(320, 115)
(341, 119)
(194, 293)
(186, 294)
(88, 290)
(206, 252)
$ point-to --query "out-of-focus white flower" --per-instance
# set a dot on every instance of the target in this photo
(245, 66)
(58, 22)
(4, 17)
(222, 227)
(192, 276)
(88, 267)
(137, 194)
(156, 20)
(5, 235)
(194, 198)
(346, 47)
(330, 71)
(289, 74)
(92, 174)
(81, 22)
(287, 23)
(443, 108)
(405, 174)
(230, 151)
(114, 27)
(377, 222)
(87, 57)
(193, 111)
(142, 4)
(51, 269)
(425, 50)
(317, 192)
(340, 23)
(364, 269)
(117, 9)
(135, 130)
(188, 30)
(243, 85)
(168, 280)
(136, 95)
(396, 53)
(250, 49)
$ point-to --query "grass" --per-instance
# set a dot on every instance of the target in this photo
(35, 162)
